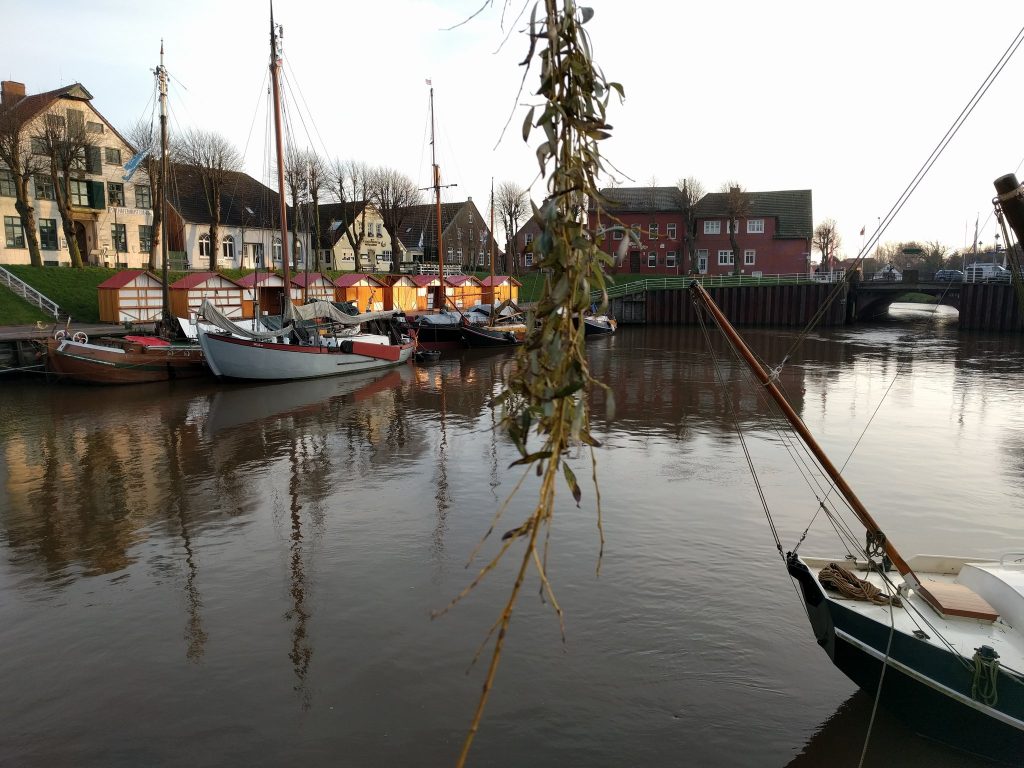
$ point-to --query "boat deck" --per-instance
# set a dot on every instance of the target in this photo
(1001, 586)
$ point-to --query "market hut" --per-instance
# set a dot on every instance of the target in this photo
(466, 290)
(366, 291)
(188, 294)
(266, 288)
(313, 286)
(505, 288)
(427, 287)
(131, 296)
(400, 293)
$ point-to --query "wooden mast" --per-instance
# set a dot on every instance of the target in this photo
(161, 74)
(801, 429)
(437, 199)
(491, 235)
(275, 66)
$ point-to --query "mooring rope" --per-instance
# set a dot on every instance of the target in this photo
(854, 587)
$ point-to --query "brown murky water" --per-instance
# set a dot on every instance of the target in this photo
(204, 574)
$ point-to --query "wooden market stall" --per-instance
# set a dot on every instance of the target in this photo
(400, 293)
(131, 296)
(313, 286)
(427, 287)
(265, 287)
(506, 288)
(189, 293)
(466, 291)
(366, 291)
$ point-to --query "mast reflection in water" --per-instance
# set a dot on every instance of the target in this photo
(245, 574)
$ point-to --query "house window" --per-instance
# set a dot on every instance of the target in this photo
(725, 258)
(44, 187)
(755, 226)
(712, 227)
(732, 226)
(458, 255)
(480, 258)
(670, 259)
(204, 245)
(451, 254)
(93, 162)
(115, 193)
(529, 237)
(112, 155)
(528, 259)
(6, 183)
(617, 234)
(80, 193)
(48, 234)
(276, 250)
(38, 146)
(652, 259)
(227, 248)
(95, 128)
(13, 232)
(145, 237)
(385, 255)
(380, 229)
(670, 231)
(143, 196)
(119, 237)
(748, 256)
(652, 231)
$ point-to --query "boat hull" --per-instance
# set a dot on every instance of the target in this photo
(129, 364)
(926, 686)
(593, 326)
(474, 338)
(234, 358)
(443, 338)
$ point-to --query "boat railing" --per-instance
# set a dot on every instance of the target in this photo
(20, 288)
(718, 281)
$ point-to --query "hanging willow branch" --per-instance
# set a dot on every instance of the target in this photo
(546, 399)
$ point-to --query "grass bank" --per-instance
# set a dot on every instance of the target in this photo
(14, 310)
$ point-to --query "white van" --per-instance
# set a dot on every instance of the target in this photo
(979, 273)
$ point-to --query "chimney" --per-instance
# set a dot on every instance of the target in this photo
(11, 92)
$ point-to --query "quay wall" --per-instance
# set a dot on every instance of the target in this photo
(748, 305)
(989, 307)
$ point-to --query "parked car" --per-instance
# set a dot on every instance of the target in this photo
(950, 275)
(986, 273)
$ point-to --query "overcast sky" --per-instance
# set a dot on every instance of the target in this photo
(847, 100)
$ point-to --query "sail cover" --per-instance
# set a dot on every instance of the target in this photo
(312, 311)
(325, 310)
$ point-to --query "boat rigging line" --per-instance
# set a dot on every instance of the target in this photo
(872, 241)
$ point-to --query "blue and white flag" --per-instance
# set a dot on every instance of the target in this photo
(132, 165)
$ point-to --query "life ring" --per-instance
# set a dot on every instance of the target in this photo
(60, 335)
(80, 337)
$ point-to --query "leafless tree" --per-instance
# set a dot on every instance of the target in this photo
(351, 181)
(826, 240)
(304, 178)
(145, 140)
(737, 208)
(16, 153)
(512, 206)
(318, 182)
(689, 192)
(64, 141)
(392, 193)
(214, 159)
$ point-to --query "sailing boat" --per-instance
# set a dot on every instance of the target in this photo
(944, 649)
(335, 345)
(499, 332)
(134, 359)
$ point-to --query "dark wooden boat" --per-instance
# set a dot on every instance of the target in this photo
(481, 336)
(131, 360)
(441, 331)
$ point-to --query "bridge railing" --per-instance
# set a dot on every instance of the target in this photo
(717, 281)
(20, 288)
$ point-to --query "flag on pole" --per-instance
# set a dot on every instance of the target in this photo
(132, 165)
(429, 83)
(862, 230)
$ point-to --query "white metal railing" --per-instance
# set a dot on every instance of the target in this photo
(431, 269)
(712, 281)
(20, 288)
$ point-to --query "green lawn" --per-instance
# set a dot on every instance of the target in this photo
(74, 290)
(14, 310)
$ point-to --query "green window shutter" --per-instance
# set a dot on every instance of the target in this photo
(97, 195)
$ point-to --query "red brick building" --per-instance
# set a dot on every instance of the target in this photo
(774, 238)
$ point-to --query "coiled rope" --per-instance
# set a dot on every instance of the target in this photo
(850, 585)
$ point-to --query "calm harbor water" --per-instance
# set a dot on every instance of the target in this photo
(198, 574)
